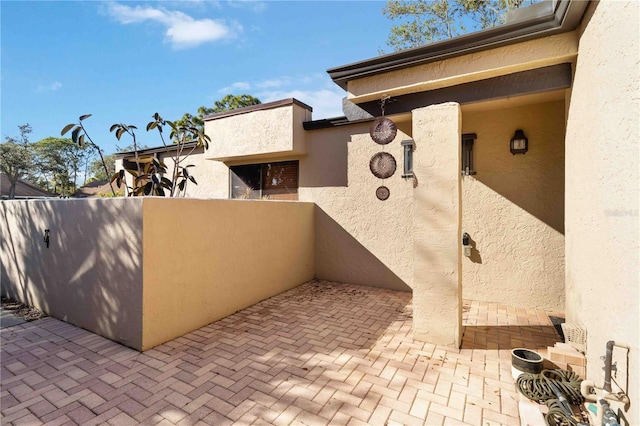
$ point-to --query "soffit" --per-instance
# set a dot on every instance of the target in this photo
(513, 102)
(536, 81)
(502, 61)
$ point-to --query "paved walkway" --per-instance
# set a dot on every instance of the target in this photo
(8, 319)
(323, 353)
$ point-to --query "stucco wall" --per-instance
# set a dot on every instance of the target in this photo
(602, 181)
(204, 172)
(513, 208)
(259, 132)
(359, 239)
(206, 259)
(437, 297)
(90, 275)
(475, 66)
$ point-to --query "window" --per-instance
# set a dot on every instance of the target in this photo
(275, 181)
(467, 154)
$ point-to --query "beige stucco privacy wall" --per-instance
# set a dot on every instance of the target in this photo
(206, 259)
(142, 271)
(602, 180)
(513, 207)
(91, 273)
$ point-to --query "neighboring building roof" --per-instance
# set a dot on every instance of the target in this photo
(23, 189)
(95, 188)
(539, 20)
(154, 150)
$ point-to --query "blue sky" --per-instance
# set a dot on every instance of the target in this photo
(122, 61)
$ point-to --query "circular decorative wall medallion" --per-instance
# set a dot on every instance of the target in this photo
(382, 165)
(383, 130)
(382, 193)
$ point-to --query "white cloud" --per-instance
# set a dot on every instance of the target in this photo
(326, 103)
(315, 90)
(49, 88)
(182, 31)
(264, 84)
(308, 79)
(275, 82)
(237, 86)
(253, 5)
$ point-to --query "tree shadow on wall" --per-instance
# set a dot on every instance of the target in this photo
(90, 275)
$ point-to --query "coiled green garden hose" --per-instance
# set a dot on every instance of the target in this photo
(536, 387)
(556, 415)
(539, 388)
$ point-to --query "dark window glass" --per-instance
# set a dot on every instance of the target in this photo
(278, 181)
(245, 181)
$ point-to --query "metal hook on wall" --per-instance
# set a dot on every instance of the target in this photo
(46, 237)
(383, 101)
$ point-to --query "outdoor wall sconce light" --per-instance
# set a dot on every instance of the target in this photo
(46, 237)
(519, 143)
(408, 146)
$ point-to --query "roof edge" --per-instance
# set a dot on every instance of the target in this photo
(156, 149)
(560, 16)
(258, 107)
(328, 123)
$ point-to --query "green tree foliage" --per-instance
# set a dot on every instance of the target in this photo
(80, 137)
(97, 172)
(58, 164)
(16, 157)
(228, 103)
(427, 21)
(231, 102)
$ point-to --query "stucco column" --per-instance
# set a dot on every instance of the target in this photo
(437, 279)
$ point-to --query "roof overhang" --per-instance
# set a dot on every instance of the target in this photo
(539, 20)
(522, 83)
(146, 152)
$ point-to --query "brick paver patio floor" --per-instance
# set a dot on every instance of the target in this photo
(323, 353)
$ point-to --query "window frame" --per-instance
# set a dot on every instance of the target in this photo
(262, 172)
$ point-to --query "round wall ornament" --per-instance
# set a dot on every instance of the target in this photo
(383, 130)
(382, 165)
(382, 193)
